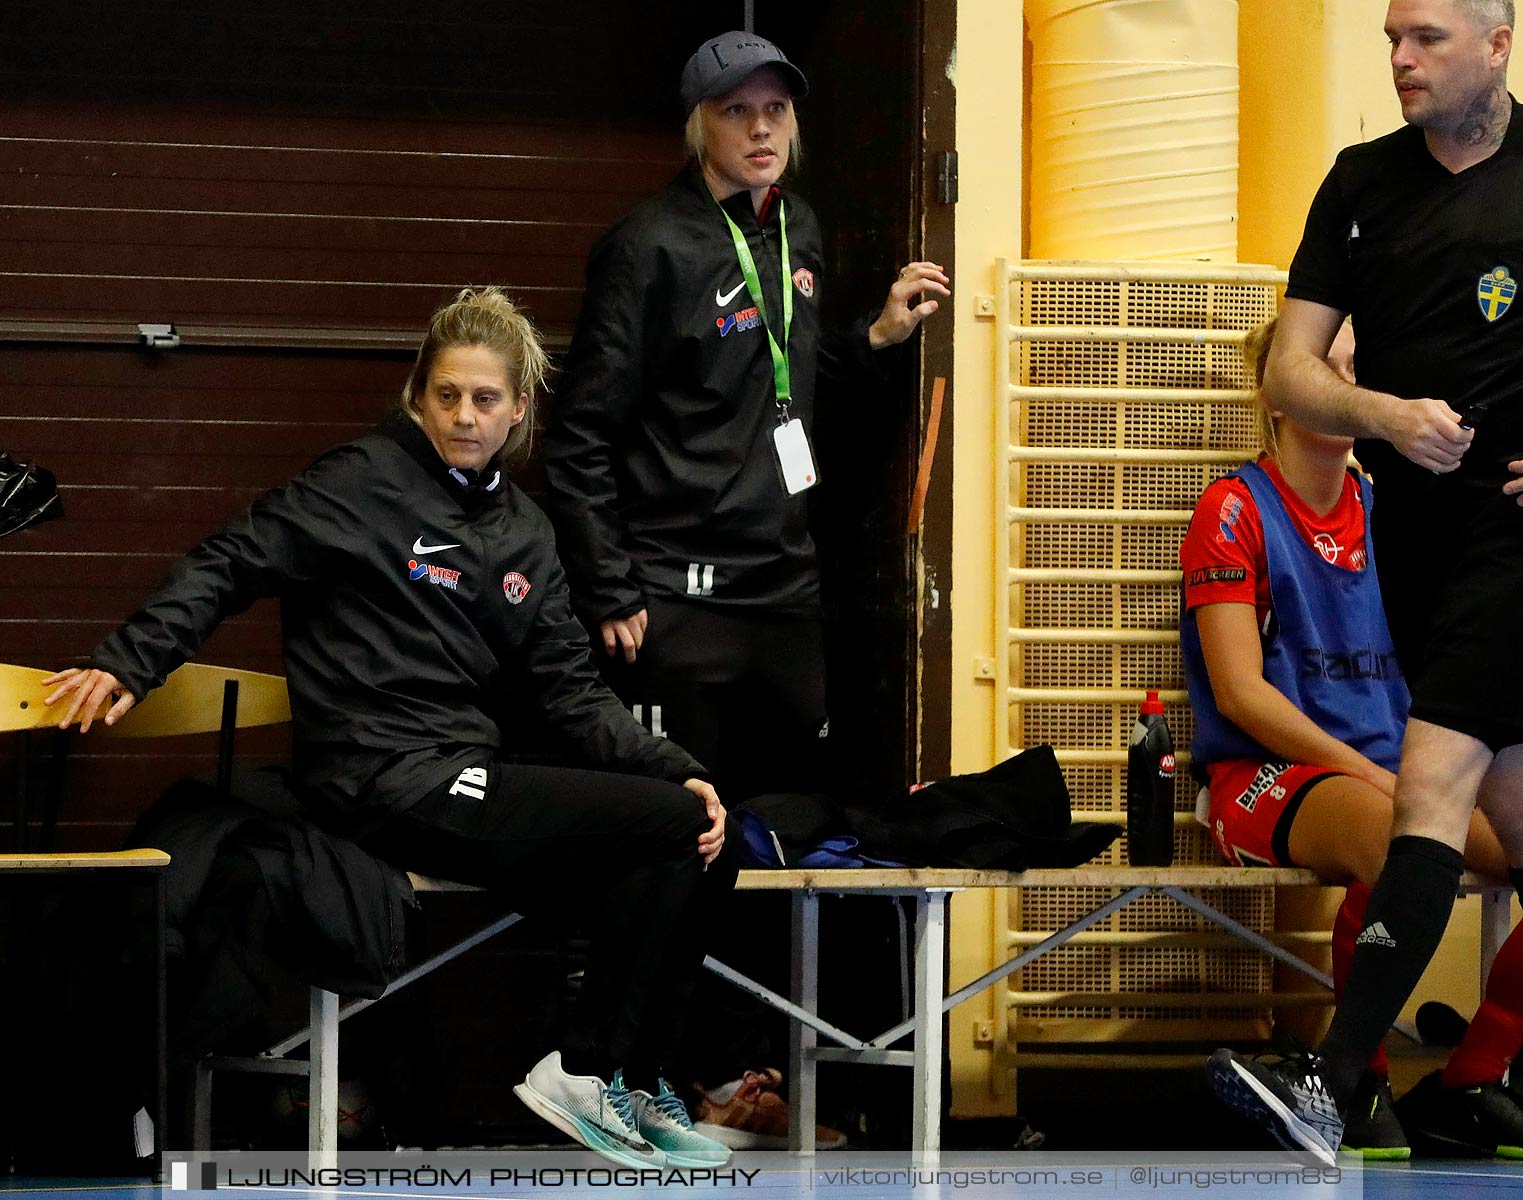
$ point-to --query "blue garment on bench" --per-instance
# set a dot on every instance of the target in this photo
(762, 849)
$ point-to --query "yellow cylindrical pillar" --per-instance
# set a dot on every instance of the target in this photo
(1134, 129)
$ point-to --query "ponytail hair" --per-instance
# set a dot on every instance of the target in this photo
(1256, 343)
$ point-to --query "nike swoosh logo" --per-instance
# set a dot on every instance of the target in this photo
(642, 1148)
(419, 548)
(723, 298)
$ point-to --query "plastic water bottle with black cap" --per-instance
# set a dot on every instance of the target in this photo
(1150, 788)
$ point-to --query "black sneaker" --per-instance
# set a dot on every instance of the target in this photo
(1513, 1082)
(1372, 1128)
(1285, 1095)
(1438, 1024)
(1482, 1121)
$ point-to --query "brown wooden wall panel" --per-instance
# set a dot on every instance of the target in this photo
(429, 170)
(87, 379)
(252, 643)
(153, 451)
(173, 401)
(26, 186)
(619, 136)
(315, 303)
(100, 774)
(564, 57)
(61, 225)
(140, 213)
(538, 271)
(145, 444)
(190, 507)
(90, 601)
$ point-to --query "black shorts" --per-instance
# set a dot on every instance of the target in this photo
(1451, 576)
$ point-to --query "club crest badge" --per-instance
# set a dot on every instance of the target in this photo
(515, 587)
(803, 279)
(1495, 291)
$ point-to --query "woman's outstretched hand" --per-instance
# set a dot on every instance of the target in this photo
(90, 688)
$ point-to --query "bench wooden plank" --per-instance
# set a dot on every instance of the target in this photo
(80, 860)
(909, 880)
(920, 878)
(837, 880)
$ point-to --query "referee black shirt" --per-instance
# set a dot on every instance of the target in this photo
(1429, 263)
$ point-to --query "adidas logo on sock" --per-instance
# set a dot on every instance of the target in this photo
(1376, 935)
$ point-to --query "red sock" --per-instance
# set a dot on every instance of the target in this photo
(1346, 927)
(1496, 1030)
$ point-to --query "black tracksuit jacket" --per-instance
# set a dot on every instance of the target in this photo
(414, 613)
(658, 452)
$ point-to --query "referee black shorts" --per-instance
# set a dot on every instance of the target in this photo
(1451, 577)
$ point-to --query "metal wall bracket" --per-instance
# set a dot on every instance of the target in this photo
(158, 337)
(946, 177)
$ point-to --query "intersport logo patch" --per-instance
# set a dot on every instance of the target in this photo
(439, 576)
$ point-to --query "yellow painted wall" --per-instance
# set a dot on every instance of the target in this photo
(988, 74)
(1314, 77)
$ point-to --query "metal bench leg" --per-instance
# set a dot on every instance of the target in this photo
(201, 1109)
(930, 987)
(802, 1039)
(322, 1084)
(162, 1139)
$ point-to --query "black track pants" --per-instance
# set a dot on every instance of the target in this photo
(618, 852)
(742, 692)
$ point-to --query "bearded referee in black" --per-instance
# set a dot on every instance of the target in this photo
(1419, 235)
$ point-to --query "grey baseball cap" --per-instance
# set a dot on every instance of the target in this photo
(721, 64)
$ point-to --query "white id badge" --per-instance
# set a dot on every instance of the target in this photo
(794, 459)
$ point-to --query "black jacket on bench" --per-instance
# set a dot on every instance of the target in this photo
(256, 899)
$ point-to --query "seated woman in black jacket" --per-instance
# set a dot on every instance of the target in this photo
(421, 605)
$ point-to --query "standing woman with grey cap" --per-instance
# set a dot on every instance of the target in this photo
(678, 453)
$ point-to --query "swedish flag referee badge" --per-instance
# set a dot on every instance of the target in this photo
(1495, 291)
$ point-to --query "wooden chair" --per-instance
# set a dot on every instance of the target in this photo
(197, 698)
(193, 699)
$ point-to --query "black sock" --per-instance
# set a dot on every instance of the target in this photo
(1403, 923)
(577, 1062)
(642, 1078)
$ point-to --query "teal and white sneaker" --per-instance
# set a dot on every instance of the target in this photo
(663, 1121)
(598, 1115)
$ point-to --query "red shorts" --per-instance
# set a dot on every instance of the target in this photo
(1252, 806)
